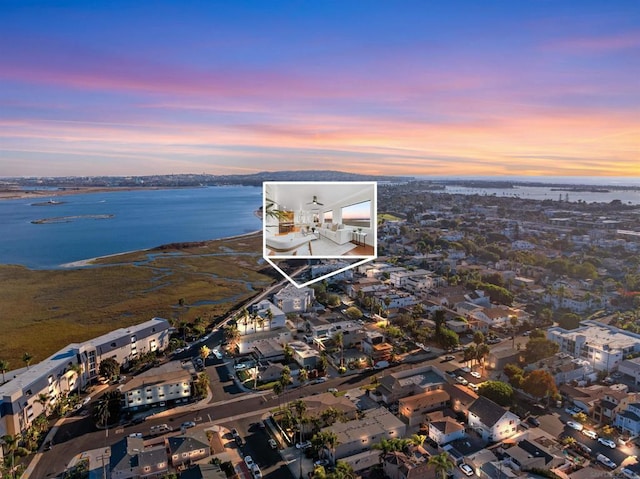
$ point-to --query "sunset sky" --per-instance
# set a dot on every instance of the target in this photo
(405, 87)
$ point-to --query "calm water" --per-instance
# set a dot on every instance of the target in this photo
(141, 219)
(547, 193)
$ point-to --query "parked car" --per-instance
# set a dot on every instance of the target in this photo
(590, 434)
(381, 365)
(466, 469)
(462, 380)
(248, 460)
(272, 443)
(332, 390)
(533, 421)
(476, 374)
(629, 474)
(240, 366)
(236, 436)
(257, 473)
(217, 353)
(465, 369)
(322, 462)
(575, 425)
(607, 442)
(161, 429)
(584, 447)
(572, 410)
(303, 445)
(601, 458)
(188, 424)
(449, 358)
(137, 435)
(473, 387)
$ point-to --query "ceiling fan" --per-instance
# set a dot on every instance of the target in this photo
(315, 201)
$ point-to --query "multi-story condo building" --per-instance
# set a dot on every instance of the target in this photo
(294, 300)
(604, 346)
(70, 369)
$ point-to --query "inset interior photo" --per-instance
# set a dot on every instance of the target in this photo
(320, 219)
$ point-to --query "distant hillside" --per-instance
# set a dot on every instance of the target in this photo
(185, 180)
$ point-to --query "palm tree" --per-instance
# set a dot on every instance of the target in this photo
(303, 377)
(442, 464)
(204, 352)
(43, 400)
(339, 339)
(77, 369)
(482, 353)
(418, 439)
(101, 411)
(4, 367)
(26, 358)
(269, 316)
(513, 319)
(343, 470)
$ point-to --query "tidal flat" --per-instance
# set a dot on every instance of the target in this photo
(42, 311)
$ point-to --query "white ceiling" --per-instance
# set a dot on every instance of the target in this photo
(297, 196)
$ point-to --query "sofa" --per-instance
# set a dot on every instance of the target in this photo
(338, 233)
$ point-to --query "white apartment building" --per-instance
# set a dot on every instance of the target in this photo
(603, 346)
(169, 386)
(19, 397)
(400, 278)
(294, 300)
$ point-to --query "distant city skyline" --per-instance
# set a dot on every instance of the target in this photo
(529, 88)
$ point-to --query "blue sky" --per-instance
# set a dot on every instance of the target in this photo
(424, 88)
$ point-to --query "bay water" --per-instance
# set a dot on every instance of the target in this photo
(99, 224)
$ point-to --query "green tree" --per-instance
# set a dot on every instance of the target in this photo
(353, 313)
(499, 392)
(442, 464)
(478, 338)
(539, 348)
(569, 321)
(109, 368)
(540, 383)
(201, 385)
(448, 339)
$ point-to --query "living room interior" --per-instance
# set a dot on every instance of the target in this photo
(320, 219)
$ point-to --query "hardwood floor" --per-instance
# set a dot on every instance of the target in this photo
(360, 251)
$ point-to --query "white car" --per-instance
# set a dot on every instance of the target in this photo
(240, 367)
(629, 474)
(606, 461)
(257, 473)
(217, 353)
(590, 434)
(466, 469)
(303, 445)
(476, 374)
(465, 369)
(473, 387)
(248, 460)
(575, 425)
(273, 443)
(607, 442)
(332, 390)
(462, 380)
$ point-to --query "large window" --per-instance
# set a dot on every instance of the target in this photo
(327, 216)
(358, 215)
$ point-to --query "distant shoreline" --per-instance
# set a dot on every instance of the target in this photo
(21, 193)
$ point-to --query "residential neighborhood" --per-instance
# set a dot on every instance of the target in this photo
(492, 337)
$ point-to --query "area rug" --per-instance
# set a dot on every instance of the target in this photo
(325, 248)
